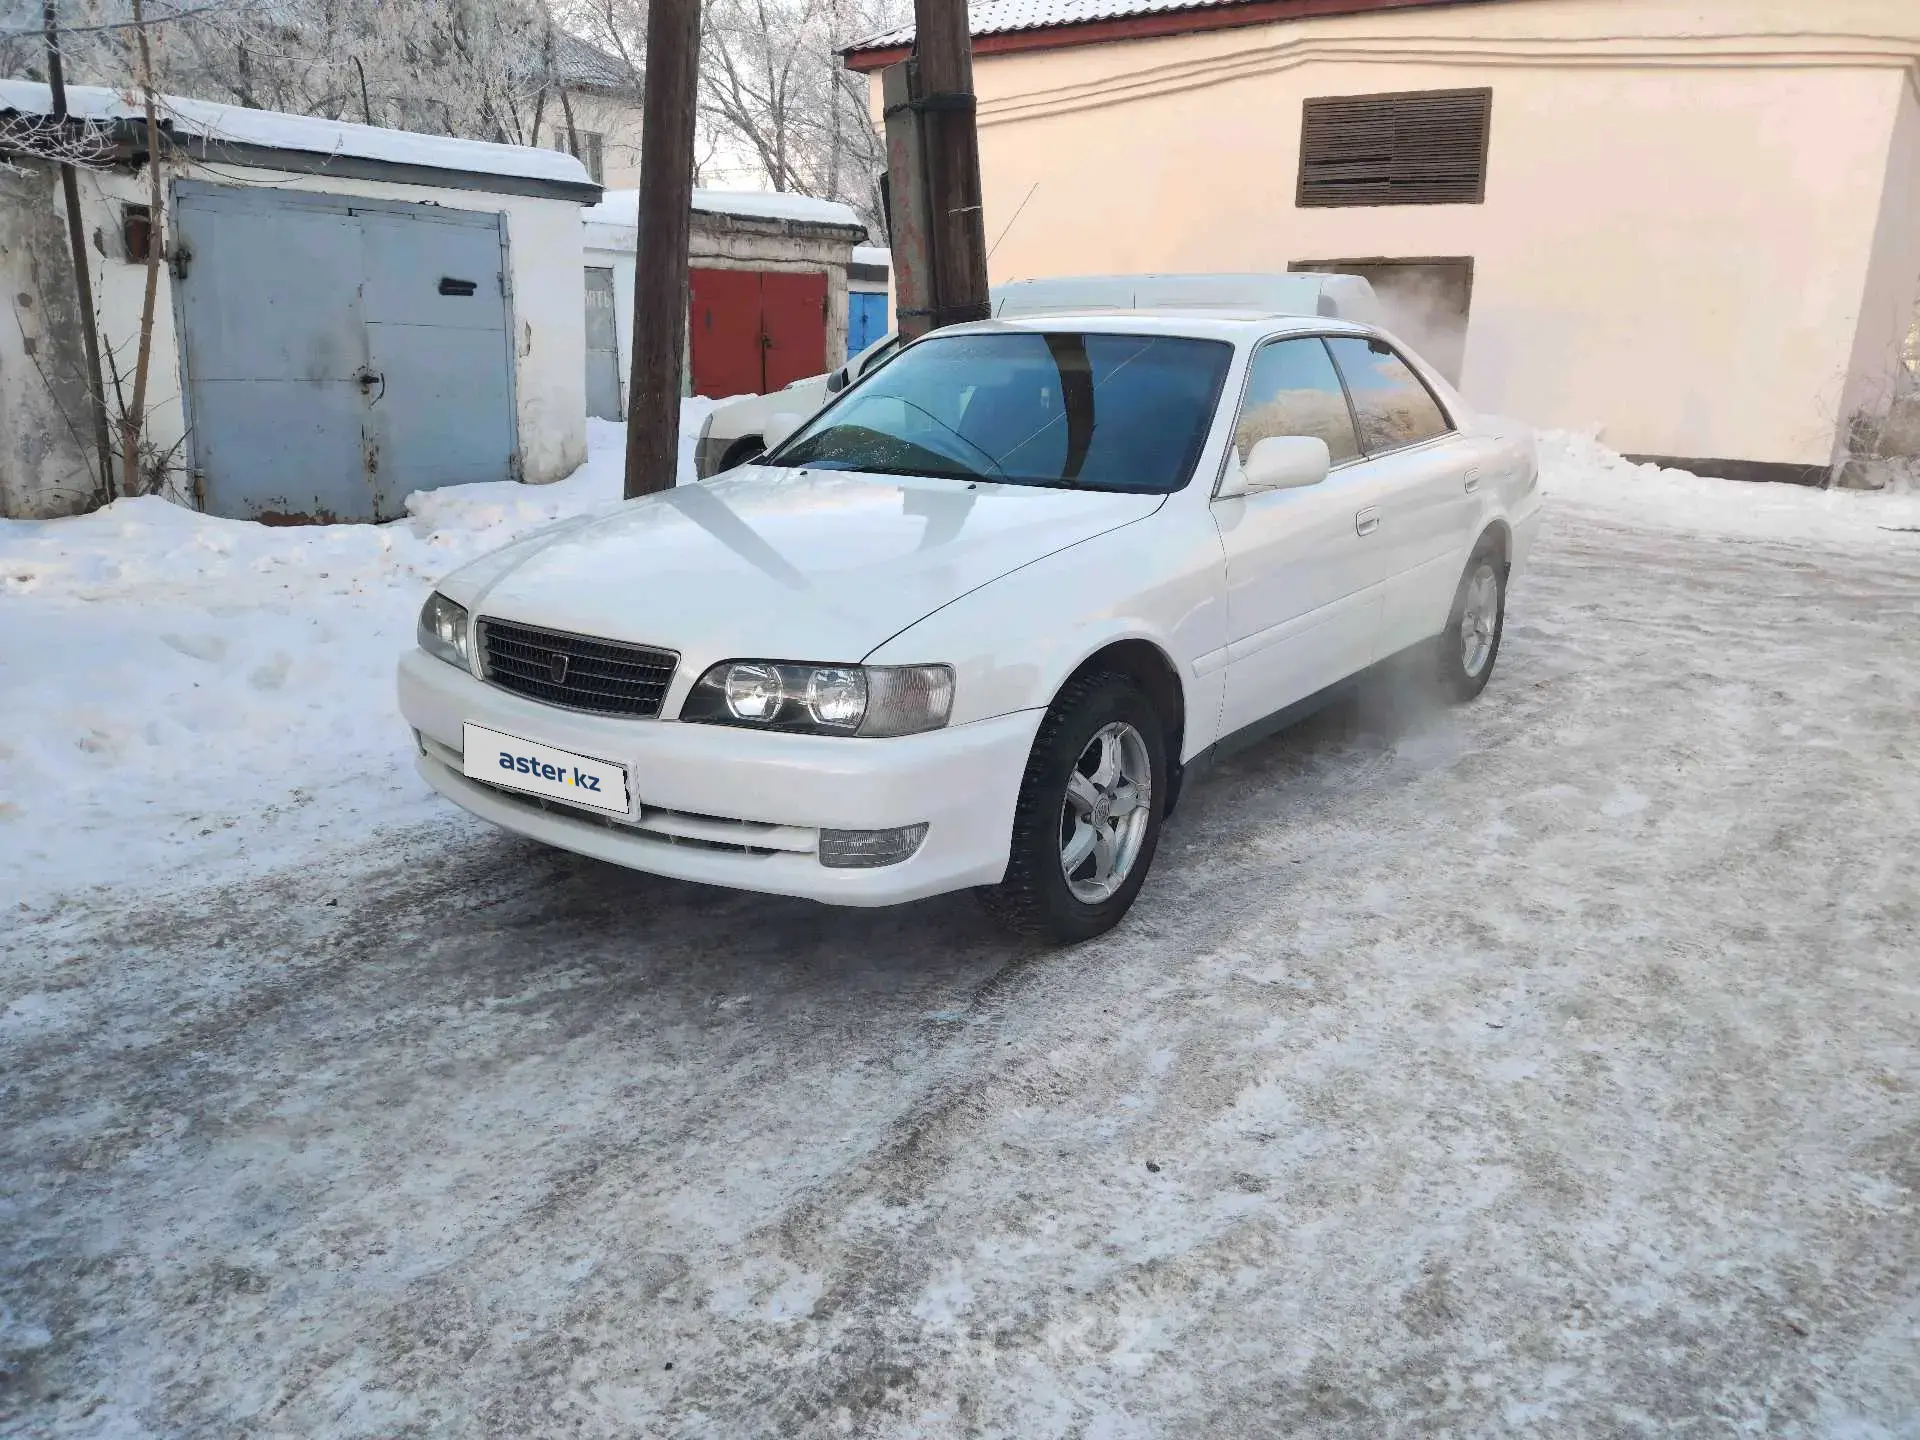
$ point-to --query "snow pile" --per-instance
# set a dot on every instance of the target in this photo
(309, 134)
(185, 692)
(1576, 470)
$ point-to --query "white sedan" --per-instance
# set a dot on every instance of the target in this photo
(971, 625)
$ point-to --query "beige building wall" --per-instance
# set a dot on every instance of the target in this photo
(1684, 237)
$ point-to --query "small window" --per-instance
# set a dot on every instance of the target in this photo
(1427, 147)
(1293, 389)
(1393, 404)
(136, 233)
(592, 152)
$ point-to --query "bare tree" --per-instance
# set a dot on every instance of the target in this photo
(773, 89)
(774, 84)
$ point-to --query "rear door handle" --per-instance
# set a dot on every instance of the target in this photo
(1473, 481)
(1367, 521)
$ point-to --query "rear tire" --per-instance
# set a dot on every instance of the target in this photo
(1088, 819)
(1470, 644)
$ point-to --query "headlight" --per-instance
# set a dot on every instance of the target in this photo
(443, 630)
(867, 700)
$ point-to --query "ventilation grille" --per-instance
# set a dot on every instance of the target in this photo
(1426, 147)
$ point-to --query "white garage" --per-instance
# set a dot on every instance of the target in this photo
(347, 314)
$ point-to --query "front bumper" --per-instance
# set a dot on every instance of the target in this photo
(724, 806)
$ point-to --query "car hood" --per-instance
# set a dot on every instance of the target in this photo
(783, 564)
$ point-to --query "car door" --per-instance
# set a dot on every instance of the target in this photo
(1304, 568)
(1428, 476)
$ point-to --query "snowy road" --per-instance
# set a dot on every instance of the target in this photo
(1547, 1067)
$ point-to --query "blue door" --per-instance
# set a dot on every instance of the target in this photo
(866, 319)
(339, 353)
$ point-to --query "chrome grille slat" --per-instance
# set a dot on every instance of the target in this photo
(603, 677)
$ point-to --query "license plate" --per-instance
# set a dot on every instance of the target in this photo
(516, 764)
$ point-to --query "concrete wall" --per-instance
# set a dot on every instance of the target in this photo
(546, 310)
(1683, 202)
(729, 242)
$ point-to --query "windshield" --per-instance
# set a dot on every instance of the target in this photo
(1071, 410)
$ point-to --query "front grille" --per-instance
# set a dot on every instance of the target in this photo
(606, 677)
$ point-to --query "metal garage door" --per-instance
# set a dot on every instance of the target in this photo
(339, 353)
(755, 331)
(867, 319)
(603, 346)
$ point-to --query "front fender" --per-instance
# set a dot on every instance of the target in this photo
(1014, 641)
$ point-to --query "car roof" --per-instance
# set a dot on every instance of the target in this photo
(1345, 297)
(1237, 326)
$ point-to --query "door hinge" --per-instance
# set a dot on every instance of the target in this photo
(180, 261)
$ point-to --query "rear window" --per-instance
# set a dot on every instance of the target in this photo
(1393, 405)
(1070, 410)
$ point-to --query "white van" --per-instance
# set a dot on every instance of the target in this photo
(736, 432)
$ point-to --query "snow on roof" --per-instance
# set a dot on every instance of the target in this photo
(307, 134)
(873, 255)
(1005, 17)
(622, 207)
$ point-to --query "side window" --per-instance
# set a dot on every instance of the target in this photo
(1393, 404)
(1293, 389)
(880, 356)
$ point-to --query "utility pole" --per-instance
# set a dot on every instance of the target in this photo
(908, 229)
(77, 240)
(943, 45)
(660, 263)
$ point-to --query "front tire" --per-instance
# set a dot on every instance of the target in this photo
(1471, 642)
(1088, 819)
(740, 452)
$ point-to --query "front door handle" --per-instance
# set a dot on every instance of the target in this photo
(1367, 521)
(1473, 481)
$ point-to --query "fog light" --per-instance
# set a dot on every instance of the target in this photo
(869, 849)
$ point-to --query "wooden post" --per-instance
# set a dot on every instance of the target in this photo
(943, 47)
(660, 261)
(907, 228)
(77, 240)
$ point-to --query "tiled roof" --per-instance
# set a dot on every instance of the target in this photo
(1004, 17)
(581, 62)
(1014, 17)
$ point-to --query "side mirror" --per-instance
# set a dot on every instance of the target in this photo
(782, 424)
(837, 381)
(1288, 462)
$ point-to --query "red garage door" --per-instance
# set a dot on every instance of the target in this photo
(754, 331)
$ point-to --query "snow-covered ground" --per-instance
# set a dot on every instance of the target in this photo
(1545, 1066)
(190, 695)
(187, 695)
